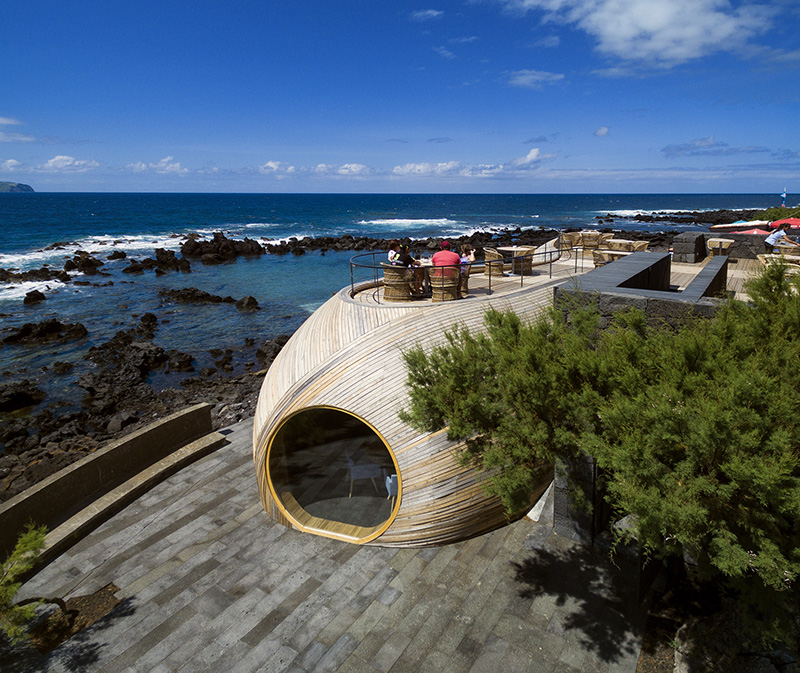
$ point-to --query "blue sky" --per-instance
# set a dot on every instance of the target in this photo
(496, 96)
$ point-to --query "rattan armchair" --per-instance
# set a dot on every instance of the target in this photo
(494, 262)
(396, 283)
(445, 283)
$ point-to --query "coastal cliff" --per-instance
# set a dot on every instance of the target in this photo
(14, 188)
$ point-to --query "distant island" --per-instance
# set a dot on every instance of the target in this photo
(14, 187)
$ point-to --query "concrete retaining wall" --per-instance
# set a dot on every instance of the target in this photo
(57, 498)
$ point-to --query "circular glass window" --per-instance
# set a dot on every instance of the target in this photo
(332, 473)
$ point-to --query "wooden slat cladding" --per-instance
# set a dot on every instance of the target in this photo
(348, 356)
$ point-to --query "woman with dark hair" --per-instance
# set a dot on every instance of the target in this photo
(415, 276)
(779, 236)
(394, 247)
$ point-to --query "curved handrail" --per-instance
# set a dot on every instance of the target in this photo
(372, 263)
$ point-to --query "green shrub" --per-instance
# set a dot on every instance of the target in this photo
(13, 618)
(697, 430)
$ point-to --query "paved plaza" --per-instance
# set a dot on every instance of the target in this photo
(209, 583)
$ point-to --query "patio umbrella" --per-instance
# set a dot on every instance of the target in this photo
(794, 221)
(753, 231)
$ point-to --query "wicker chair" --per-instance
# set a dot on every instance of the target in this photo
(396, 283)
(620, 245)
(590, 239)
(568, 239)
(494, 262)
(522, 262)
(445, 283)
(600, 258)
(640, 246)
(465, 271)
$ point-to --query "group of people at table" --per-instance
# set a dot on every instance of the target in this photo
(399, 255)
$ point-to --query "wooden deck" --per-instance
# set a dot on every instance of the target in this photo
(482, 286)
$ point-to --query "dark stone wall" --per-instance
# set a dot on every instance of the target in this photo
(744, 246)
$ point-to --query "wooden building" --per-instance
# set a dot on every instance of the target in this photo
(331, 455)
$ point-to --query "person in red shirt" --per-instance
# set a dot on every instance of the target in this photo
(446, 257)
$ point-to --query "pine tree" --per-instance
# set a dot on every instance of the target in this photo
(696, 429)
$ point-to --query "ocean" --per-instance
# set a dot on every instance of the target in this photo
(288, 288)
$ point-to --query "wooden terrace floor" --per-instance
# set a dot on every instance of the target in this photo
(482, 286)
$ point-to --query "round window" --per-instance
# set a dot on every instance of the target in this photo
(333, 474)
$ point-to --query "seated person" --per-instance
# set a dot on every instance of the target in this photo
(467, 254)
(394, 247)
(416, 277)
(446, 257)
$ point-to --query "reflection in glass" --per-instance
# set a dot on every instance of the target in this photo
(328, 464)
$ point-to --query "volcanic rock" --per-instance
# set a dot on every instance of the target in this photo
(248, 304)
(83, 262)
(62, 367)
(222, 247)
(48, 330)
(37, 275)
(168, 261)
(191, 295)
(180, 362)
(269, 350)
(121, 420)
(34, 297)
(15, 396)
(133, 267)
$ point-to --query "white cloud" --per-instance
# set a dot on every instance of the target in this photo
(601, 131)
(528, 159)
(444, 53)
(658, 32)
(425, 168)
(549, 42)
(533, 79)
(166, 165)
(708, 147)
(426, 14)
(276, 167)
(353, 169)
(516, 166)
(16, 138)
(66, 164)
(7, 121)
(9, 165)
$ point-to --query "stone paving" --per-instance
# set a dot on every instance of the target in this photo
(210, 583)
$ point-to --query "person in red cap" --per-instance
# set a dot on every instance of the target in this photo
(445, 256)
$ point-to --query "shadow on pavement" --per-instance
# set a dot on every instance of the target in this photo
(75, 654)
(595, 601)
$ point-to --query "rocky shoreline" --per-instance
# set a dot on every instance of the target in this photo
(37, 437)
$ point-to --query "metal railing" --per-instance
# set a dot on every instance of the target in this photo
(366, 270)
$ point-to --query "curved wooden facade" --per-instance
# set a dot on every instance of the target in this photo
(348, 356)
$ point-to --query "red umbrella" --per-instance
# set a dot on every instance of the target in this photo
(761, 232)
(794, 221)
